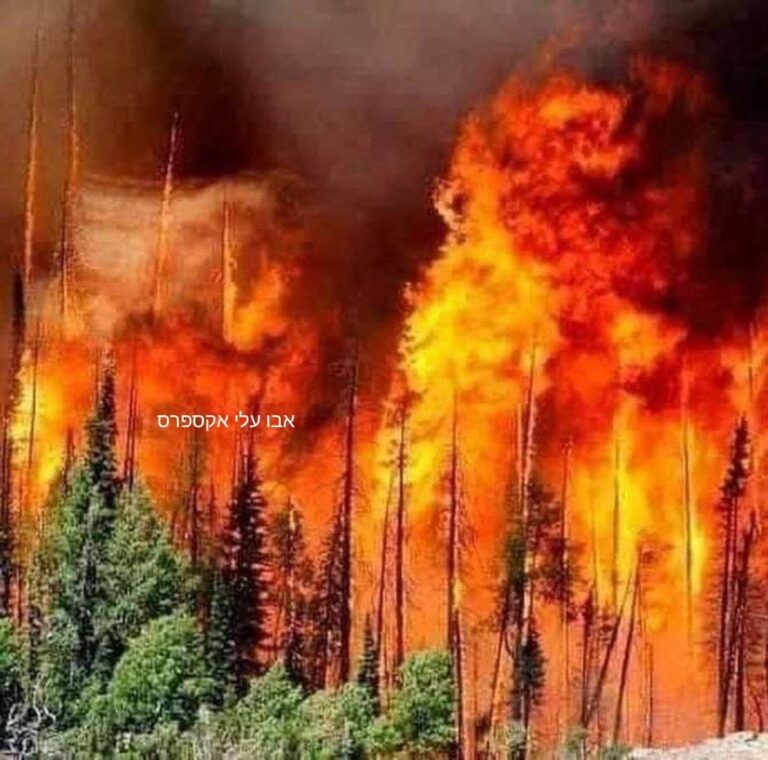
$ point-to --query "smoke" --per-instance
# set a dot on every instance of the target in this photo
(362, 101)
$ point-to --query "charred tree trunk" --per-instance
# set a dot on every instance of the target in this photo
(30, 183)
(458, 657)
(163, 232)
(400, 543)
(66, 242)
(594, 699)
(524, 597)
(452, 553)
(131, 432)
(616, 524)
(506, 599)
(346, 516)
(453, 632)
(724, 643)
(565, 578)
(733, 490)
(381, 592)
(687, 529)
(626, 659)
(741, 622)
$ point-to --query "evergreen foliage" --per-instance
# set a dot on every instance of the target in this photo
(267, 719)
(145, 578)
(112, 663)
(422, 718)
(335, 724)
(368, 671)
(244, 572)
(219, 644)
(11, 669)
(161, 678)
(81, 536)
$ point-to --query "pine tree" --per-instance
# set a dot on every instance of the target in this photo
(245, 568)
(326, 639)
(219, 644)
(144, 577)
(368, 672)
(86, 520)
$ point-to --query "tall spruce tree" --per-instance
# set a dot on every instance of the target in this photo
(326, 639)
(368, 671)
(145, 578)
(86, 520)
(218, 635)
(245, 570)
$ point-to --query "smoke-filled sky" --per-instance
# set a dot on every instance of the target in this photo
(361, 100)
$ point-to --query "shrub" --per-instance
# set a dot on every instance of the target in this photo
(161, 678)
(335, 724)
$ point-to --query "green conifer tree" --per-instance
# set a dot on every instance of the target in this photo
(244, 571)
(368, 672)
(86, 521)
(145, 577)
(219, 644)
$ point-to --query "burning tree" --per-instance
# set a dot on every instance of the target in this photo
(290, 592)
(738, 536)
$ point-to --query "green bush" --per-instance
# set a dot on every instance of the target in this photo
(266, 721)
(335, 724)
(614, 752)
(10, 670)
(422, 718)
(160, 679)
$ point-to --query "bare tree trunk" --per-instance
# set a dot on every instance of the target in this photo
(687, 528)
(129, 463)
(626, 659)
(453, 631)
(452, 553)
(565, 579)
(607, 656)
(30, 184)
(725, 614)
(740, 627)
(506, 603)
(228, 288)
(616, 523)
(524, 603)
(33, 408)
(348, 491)
(588, 620)
(163, 231)
(400, 542)
(651, 696)
(458, 655)
(381, 591)
(66, 244)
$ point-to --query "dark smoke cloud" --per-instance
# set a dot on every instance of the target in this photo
(361, 100)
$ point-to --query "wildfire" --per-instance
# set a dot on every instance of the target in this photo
(575, 217)
(558, 309)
